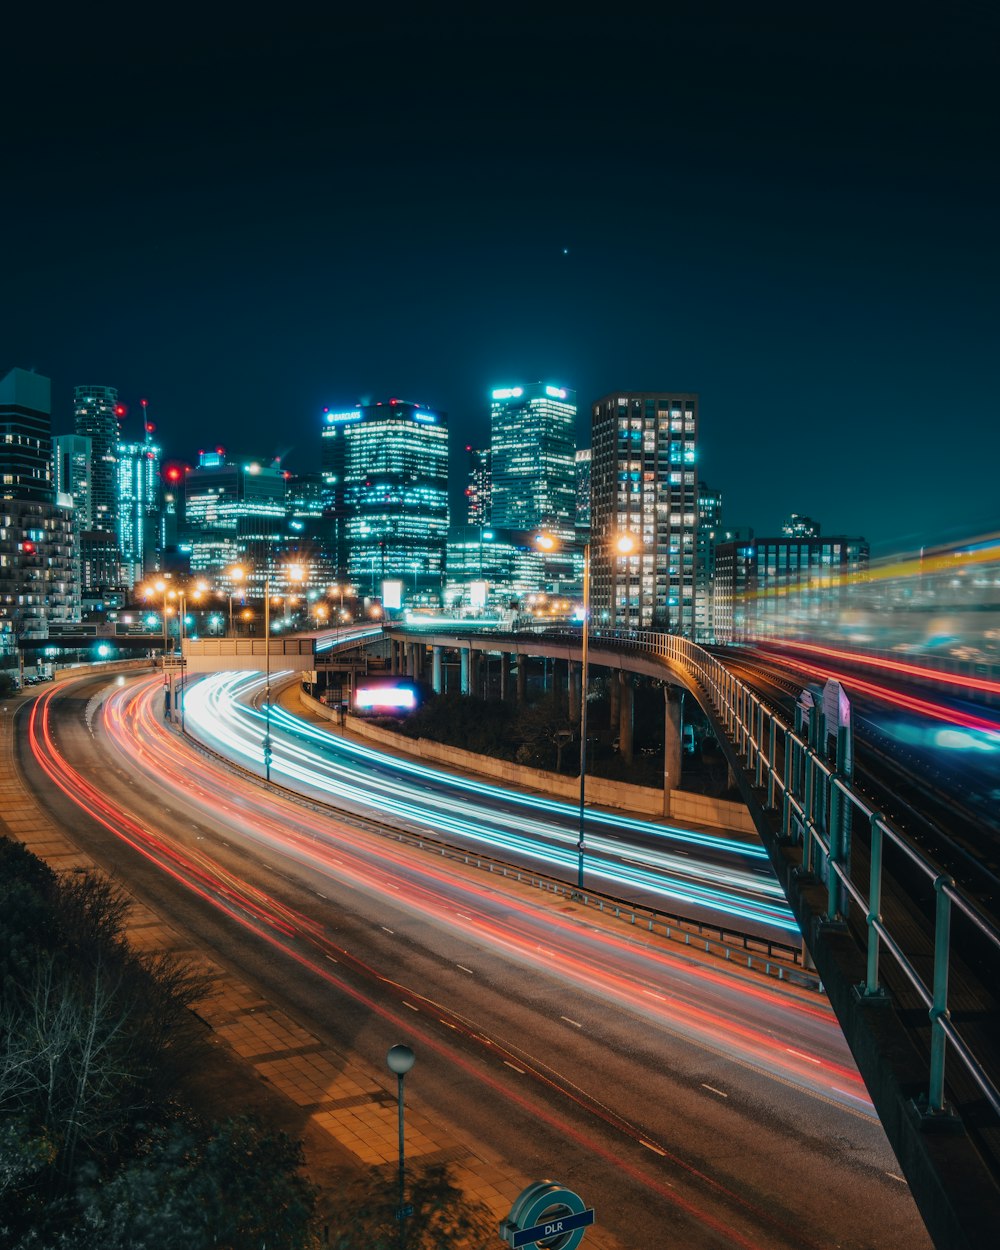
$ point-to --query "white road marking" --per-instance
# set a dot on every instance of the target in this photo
(575, 1023)
(649, 1146)
(893, 1176)
(386, 929)
(714, 1090)
(410, 1005)
(514, 1066)
(810, 1058)
(464, 969)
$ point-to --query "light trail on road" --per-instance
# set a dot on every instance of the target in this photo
(729, 882)
(772, 1029)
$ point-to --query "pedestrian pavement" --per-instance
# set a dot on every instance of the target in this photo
(347, 1112)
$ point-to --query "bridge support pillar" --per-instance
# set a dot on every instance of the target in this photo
(574, 674)
(475, 673)
(465, 655)
(625, 741)
(522, 680)
(614, 701)
(436, 674)
(504, 676)
(673, 708)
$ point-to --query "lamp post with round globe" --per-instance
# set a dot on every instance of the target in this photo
(400, 1060)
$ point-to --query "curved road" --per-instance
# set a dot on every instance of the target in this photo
(690, 1105)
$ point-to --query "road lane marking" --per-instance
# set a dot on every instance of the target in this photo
(464, 969)
(575, 1023)
(410, 1005)
(322, 896)
(332, 960)
(893, 1176)
(388, 930)
(810, 1058)
(649, 1146)
(514, 1066)
(714, 1090)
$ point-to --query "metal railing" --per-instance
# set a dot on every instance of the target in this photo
(818, 808)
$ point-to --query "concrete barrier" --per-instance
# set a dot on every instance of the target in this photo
(685, 807)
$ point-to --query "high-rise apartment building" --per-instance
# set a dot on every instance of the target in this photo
(787, 587)
(532, 441)
(386, 465)
(36, 533)
(96, 412)
(644, 482)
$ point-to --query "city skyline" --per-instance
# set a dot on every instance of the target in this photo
(789, 213)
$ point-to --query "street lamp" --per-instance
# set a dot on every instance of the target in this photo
(295, 572)
(400, 1060)
(624, 545)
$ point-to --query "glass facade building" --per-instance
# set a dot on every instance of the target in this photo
(386, 468)
(644, 482)
(95, 416)
(139, 507)
(533, 445)
(774, 588)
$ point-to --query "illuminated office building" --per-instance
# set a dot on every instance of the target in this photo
(787, 587)
(96, 412)
(139, 508)
(234, 513)
(582, 463)
(386, 467)
(491, 568)
(479, 492)
(643, 481)
(532, 441)
(709, 532)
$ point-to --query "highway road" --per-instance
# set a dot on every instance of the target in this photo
(691, 1105)
(711, 877)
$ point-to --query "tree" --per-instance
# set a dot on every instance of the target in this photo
(239, 1187)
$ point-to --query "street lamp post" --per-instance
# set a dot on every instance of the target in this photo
(584, 681)
(400, 1060)
(267, 677)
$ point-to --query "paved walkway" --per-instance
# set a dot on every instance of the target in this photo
(350, 1112)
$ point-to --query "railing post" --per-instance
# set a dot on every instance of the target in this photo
(807, 824)
(759, 746)
(836, 849)
(939, 1009)
(874, 906)
(772, 743)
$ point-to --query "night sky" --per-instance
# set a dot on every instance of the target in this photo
(792, 210)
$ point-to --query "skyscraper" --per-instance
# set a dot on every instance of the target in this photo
(643, 481)
(479, 492)
(532, 441)
(26, 437)
(709, 533)
(139, 506)
(387, 466)
(234, 511)
(95, 413)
